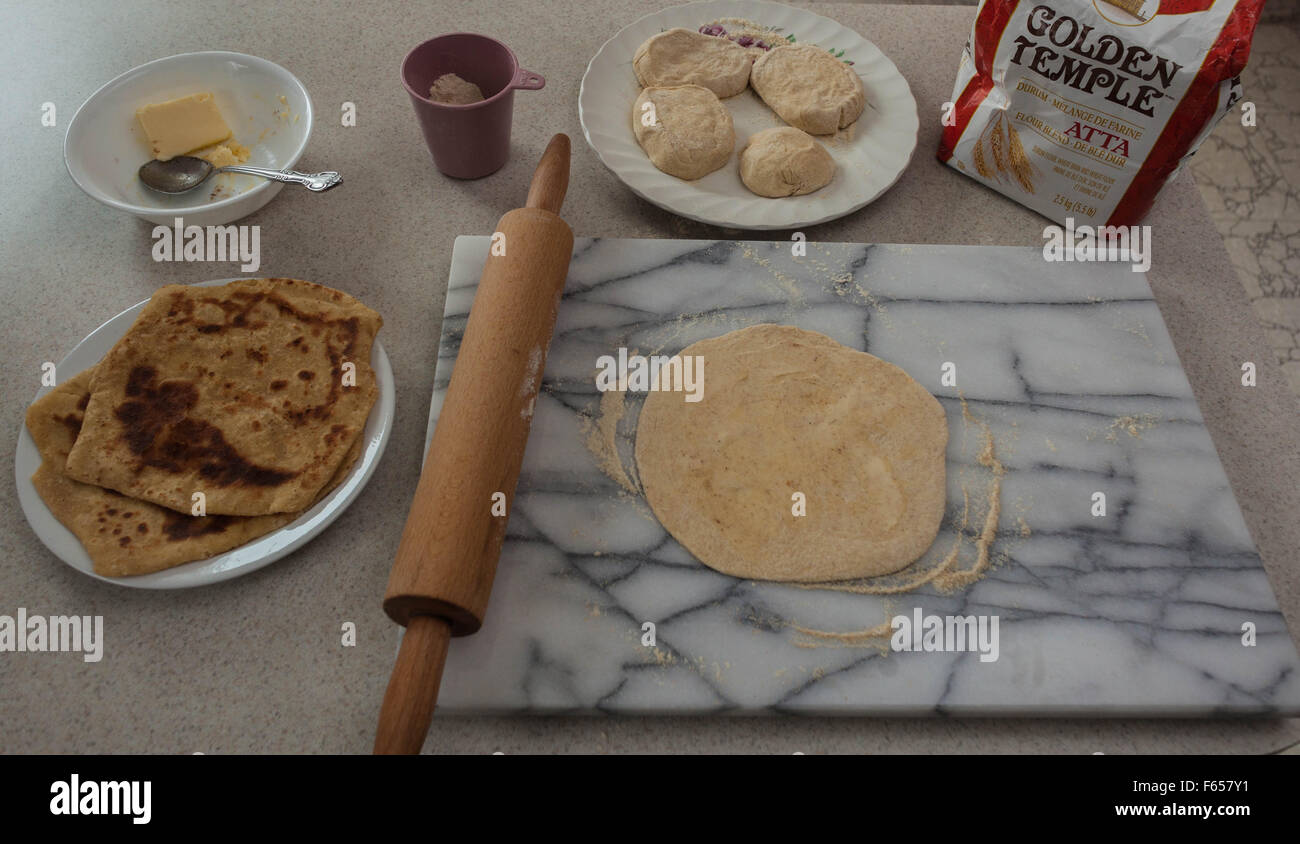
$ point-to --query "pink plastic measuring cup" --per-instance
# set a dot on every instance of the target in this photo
(467, 141)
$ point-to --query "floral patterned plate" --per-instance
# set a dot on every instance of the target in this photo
(870, 155)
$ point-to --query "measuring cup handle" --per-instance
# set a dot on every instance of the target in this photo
(528, 80)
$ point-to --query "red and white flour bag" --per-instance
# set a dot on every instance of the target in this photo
(1086, 108)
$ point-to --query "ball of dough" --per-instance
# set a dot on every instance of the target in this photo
(784, 410)
(809, 88)
(685, 57)
(691, 133)
(452, 90)
(785, 162)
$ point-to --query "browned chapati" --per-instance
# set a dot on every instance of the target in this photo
(125, 536)
(234, 391)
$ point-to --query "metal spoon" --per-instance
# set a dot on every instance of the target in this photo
(186, 172)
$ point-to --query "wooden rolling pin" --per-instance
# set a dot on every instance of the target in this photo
(447, 559)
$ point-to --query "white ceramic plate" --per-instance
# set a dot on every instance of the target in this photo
(869, 156)
(105, 146)
(238, 561)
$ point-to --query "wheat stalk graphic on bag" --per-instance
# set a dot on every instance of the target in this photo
(1007, 153)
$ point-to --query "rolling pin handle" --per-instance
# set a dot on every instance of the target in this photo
(551, 178)
(413, 687)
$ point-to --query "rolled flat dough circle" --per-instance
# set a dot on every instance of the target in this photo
(786, 410)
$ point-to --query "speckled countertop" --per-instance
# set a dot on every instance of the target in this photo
(255, 664)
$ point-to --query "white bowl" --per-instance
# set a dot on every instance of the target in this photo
(105, 145)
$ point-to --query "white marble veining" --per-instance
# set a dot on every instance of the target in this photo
(1070, 366)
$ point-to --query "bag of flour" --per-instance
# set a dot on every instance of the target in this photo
(1086, 108)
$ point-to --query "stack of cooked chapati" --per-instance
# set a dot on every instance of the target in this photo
(249, 398)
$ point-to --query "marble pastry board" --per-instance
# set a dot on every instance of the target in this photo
(1070, 367)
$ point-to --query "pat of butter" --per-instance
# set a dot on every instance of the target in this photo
(224, 154)
(182, 125)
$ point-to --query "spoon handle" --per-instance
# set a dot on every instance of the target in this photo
(312, 181)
